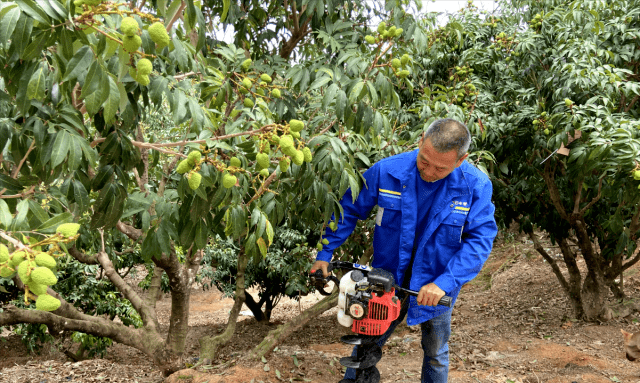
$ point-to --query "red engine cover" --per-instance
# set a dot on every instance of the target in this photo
(382, 310)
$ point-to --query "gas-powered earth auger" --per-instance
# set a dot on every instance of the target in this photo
(368, 304)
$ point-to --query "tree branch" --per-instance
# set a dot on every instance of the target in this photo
(16, 170)
(84, 258)
(594, 200)
(554, 193)
(148, 316)
(129, 230)
(13, 315)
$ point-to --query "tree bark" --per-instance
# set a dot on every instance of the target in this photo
(276, 336)
(209, 345)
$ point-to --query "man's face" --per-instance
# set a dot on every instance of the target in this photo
(434, 166)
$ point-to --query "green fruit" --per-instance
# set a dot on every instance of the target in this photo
(275, 93)
(325, 241)
(129, 26)
(403, 73)
(396, 63)
(246, 64)
(284, 164)
(295, 134)
(246, 82)
(194, 180)
(194, 157)
(636, 175)
(46, 302)
(296, 125)
(6, 271)
(547, 132)
(275, 139)
(404, 60)
(229, 181)
(68, 229)
(17, 258)
(43, 276)
(234, 161)
(183, 167)
(319, 246)
(264, 172)
(333, 226)
(159, 35)
(381, 27)
(298, 157)
(286, 141)
(144, 66)
(45, 260)
(4, 253)
(248, 102)
(263, 160)
(131, 43)
(23, 271)
(143, 79)
(568, 102)
(78, 3)
(307, 154)
(392, 31)
(370, 39)
(399, 32)
(536, 122)
(260, 91)
(37, 288)
(266, 78)
(543, 114)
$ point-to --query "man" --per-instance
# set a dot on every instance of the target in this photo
(434, 230)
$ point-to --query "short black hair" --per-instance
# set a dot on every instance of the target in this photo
(448, 134)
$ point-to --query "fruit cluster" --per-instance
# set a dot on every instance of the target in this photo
(254, 87)
(383, 34)
(536, 22)
(35, 268)
(286, 143)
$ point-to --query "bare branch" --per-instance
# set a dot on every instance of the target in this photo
(16, 170)
(84, 258)
(129, 231)
(175, 17)
(595, 199)
(148, 316)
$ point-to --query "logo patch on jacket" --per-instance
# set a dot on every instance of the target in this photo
(460, 207)
(390, 193)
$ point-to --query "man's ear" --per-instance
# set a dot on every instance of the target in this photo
(464, 157)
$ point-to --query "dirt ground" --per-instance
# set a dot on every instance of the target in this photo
(510, 325)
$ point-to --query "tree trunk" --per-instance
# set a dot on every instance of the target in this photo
(209, 345)
(255, 307)
(276, 336)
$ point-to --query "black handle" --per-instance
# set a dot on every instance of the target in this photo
(319, 281)
(444, 301)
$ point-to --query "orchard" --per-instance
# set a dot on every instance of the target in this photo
(131, 137)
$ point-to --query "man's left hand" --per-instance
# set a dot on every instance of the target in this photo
(430, 295)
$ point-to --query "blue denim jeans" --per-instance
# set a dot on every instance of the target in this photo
(435, 344)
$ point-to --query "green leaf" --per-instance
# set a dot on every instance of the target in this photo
(60, 148)
(341, 104)
(96, 88)
(54, 222)
(79, 63)
(75, 152)
(112, 103)
(33, 10)
(22, 33)
(8, 24)
(329, 95)
(5, 214)
(36, 87)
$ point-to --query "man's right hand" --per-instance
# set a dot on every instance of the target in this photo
(322, 265)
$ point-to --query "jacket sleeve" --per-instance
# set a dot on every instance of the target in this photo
(352, 212)
(477, 241)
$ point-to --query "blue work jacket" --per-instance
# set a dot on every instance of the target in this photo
(458, 237)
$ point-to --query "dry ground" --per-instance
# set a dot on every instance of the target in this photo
(510, 325)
